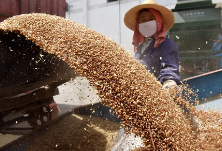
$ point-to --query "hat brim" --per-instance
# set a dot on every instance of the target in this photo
(131, 16)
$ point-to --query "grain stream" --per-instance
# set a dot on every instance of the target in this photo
(144, 107)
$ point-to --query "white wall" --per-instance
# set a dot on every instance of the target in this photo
(75, 12)
(126, 33)
(105, 18)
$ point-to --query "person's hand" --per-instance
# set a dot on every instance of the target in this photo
(172, 88)
(169, 83)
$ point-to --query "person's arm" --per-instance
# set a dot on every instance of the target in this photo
(169, 72)
(169, 83)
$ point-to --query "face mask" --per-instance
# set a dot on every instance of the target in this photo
(148, 29)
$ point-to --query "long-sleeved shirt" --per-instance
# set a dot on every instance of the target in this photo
(162, 61)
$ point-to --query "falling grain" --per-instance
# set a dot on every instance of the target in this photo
(122, 82)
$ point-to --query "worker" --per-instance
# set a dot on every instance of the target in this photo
(152, 48)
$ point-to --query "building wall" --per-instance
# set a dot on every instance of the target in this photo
(104, 17)
(9, 8)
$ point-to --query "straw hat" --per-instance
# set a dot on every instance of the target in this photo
(131, 16)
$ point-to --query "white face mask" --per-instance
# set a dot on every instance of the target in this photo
(148, 29)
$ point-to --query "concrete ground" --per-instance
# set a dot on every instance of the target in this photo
(6, 138)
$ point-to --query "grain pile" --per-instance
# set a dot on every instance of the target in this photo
(122, 82)
(77, 132)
